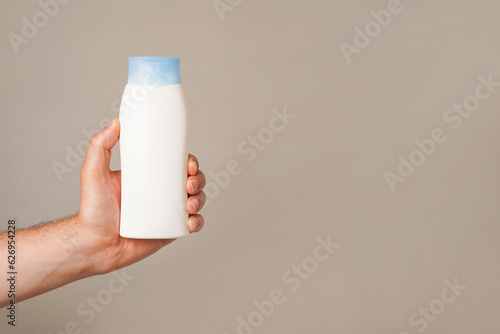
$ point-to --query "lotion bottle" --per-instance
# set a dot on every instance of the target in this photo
(153, 151)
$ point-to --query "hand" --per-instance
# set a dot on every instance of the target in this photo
(98, 219)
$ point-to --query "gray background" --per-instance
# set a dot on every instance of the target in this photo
(323, 175)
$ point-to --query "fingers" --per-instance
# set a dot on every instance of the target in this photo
(99, 151)
(196, 179)
(195, 223)
(196, 202)
(195, 183)
(192, 166)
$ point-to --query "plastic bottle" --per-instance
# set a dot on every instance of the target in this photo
(153, 151)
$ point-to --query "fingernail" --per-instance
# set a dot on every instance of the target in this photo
(193, 222)
(195, 185)
(195, 203)
(111, 124)
(195, 163)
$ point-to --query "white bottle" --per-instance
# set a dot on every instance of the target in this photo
(153, 140)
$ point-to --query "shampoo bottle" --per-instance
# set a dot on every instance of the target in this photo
(153, 152)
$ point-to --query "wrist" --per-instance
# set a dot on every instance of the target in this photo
(98, 253)
(78, 255)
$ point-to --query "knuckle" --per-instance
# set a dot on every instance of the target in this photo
(202, 221)
(94, 140)
(202, 196)
(203, 180)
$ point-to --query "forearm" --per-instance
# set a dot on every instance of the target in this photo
(47, 257)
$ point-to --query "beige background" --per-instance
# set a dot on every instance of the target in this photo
(323, 175)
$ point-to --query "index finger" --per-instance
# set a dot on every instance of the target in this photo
(192, 165)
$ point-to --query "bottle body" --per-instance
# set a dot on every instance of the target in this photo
(153, 153)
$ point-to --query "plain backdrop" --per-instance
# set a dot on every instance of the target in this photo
(322, 175)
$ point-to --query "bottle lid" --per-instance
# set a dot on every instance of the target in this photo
(154, 71)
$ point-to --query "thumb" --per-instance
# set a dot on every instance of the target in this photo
(99, 151)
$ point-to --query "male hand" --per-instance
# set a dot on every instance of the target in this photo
(99, 214)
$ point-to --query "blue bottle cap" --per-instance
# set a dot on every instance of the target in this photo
(154, 71)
